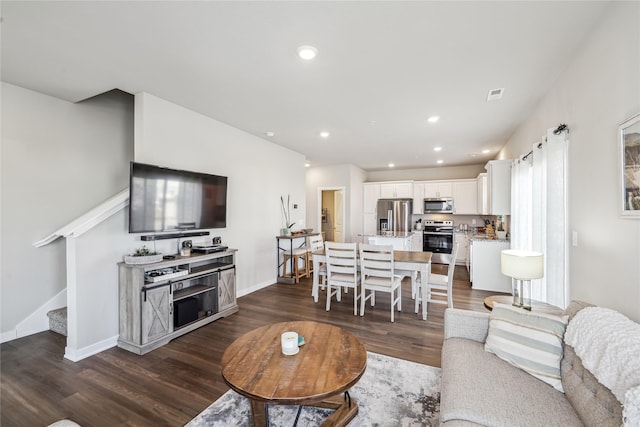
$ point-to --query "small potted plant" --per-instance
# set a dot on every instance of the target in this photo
(142, 256)
(500, 232)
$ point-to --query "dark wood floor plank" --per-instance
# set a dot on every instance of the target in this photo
(171, 385)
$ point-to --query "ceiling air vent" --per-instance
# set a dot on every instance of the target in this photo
(495, 94)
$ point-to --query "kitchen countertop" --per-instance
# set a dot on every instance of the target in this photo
(480, 237)
(485, 239)
(400, 234)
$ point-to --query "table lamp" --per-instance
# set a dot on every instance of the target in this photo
(522, 267)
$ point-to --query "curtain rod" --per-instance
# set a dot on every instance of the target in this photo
(561, 128)
(531, 152)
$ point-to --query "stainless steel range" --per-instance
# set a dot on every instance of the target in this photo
(438, 238)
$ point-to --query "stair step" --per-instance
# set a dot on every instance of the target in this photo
(58, 320)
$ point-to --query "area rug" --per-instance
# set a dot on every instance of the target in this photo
(392, 392)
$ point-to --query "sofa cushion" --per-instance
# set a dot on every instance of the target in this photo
(595, 404)
(479, 387)
(530, 341)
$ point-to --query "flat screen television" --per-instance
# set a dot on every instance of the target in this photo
(163, 199)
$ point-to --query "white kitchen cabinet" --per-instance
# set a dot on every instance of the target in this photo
(416, 242)
(485, 266)
(371, 194)
(483, 196)
(399, 243)
(369, 225)
(396, 190)
(463, 248)
(499, 185)
(433, 189)
(418, 198)
(465, 194)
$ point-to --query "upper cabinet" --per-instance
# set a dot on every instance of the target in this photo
(394, 190)
(418, 198)
(434, 189)
(465, 194)
(483, 194)
(499, 187)
(371, 193)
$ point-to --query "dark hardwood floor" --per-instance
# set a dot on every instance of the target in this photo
(171, 385)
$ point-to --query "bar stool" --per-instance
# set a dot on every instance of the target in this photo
(295, 256)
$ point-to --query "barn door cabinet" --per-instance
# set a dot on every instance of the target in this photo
(162, 301)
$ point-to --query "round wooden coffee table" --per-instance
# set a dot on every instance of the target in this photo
(536, 306)
(329, 363)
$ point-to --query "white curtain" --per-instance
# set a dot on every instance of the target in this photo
(539, 213)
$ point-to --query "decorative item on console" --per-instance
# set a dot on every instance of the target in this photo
(286, 214)
(143, 256)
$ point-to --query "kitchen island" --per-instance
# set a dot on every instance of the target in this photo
(400, 240)
(485, 273)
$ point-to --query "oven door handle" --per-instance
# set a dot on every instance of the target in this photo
(435, 233)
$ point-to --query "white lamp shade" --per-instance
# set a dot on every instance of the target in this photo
(522, 265)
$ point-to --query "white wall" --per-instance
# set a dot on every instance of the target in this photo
(258, 172)
(599, 90)
(347, 176)
(59, 160)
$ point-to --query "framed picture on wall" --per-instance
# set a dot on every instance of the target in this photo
(629, 134)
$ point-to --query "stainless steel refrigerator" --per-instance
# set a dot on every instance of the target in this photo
(394, 214)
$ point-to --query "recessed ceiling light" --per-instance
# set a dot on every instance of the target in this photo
(307, 52)
(433, 119)
(440, 162)
(437, 149)
(324, 134)
(486, 151)
(391, 165)
(270, 134)
(307, 164)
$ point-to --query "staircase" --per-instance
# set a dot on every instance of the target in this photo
(58, 320)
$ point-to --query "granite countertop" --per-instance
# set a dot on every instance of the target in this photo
(484, 239)
(398, 234)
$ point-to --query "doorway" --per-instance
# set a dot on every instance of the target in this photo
(332, 213)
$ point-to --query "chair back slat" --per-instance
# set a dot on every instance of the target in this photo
(315, 242)
(341, 259)
(376, 261)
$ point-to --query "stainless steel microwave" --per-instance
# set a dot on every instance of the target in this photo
(439, 205)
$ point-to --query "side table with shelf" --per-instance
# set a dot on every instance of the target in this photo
(281, 259)
(162, 301)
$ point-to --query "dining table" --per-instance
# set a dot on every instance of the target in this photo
(417, 261)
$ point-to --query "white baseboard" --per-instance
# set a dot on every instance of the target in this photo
(76, 355)
(8, 336)
(254, 288)
(37, 321)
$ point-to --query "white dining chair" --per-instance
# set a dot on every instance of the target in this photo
(377, 274)
(342, 271)
(439, 286)
(315, 243)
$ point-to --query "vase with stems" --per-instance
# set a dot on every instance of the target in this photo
(286, 216)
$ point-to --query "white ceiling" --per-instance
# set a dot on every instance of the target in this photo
(382, 67)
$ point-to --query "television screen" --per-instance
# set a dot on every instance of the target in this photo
(163, 199)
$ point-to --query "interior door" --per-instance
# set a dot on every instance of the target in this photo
(338, 199)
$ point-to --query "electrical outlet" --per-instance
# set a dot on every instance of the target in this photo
(574, 238)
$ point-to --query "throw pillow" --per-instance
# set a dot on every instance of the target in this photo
(530, 341)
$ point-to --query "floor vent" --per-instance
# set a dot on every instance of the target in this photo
(58, 320)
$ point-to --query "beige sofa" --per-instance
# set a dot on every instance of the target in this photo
(478, 388)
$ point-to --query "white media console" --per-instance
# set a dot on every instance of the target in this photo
(161, 301)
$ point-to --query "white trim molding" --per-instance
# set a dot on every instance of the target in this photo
(89, 220)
